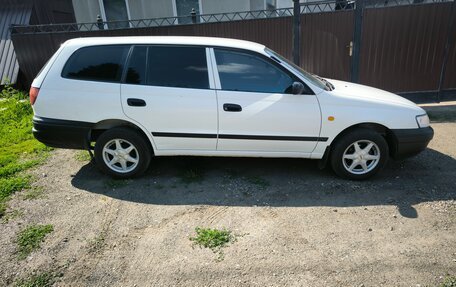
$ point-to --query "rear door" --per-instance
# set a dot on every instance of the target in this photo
(168, 90)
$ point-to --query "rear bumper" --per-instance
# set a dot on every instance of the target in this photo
(62, 133)
(410, 142)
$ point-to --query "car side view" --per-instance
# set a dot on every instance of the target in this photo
(138, 97)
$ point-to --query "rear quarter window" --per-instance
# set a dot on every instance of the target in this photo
(97, 63)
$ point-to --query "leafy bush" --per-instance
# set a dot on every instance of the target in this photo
(9, 92)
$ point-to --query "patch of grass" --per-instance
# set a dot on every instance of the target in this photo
(83, 156)
(258, 181)
(19, 150)
(159, 186)
(10, 185)
(191, 175)
(98, 242)
(31, 237)
(3, 207)
(214, 239)
(44, 279)
(12, 215)
(116, 183)
(449, 281)
(33, 193)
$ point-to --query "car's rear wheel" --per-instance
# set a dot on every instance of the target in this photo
(359, 154)
(122, 153)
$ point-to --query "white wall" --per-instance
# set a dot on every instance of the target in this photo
(224, 6)
(145, 9)
(86, 11)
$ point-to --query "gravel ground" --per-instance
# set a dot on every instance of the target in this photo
(295, 225)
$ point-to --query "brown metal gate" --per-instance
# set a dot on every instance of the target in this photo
(402, 47)
(325, 42)
(398, 45)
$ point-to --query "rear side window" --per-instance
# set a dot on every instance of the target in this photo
(97, 63)
(168, 66)
(136, 71)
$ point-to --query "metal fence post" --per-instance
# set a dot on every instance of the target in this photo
(448, 43)
(193, 14)
(100, 22)
(354, 70)
(296, 32)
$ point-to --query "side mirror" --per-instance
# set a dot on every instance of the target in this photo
(297, 88)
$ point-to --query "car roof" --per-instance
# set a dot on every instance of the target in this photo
(174, 40)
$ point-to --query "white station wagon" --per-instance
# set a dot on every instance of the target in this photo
(138, 97)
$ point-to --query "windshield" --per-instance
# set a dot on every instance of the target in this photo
(317, 81)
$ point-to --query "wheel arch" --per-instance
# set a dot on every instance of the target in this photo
(381, 129)
(104, 125)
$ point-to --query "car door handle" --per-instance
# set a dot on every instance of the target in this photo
(232, 108)
(136, 102)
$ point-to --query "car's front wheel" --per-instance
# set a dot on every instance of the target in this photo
(122, 153)
(359, 154)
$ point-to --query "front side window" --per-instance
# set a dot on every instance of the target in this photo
(240, 71)
(97, 63)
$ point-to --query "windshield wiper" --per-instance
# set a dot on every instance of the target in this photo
(326, 82)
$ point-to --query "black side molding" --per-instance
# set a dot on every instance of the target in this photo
(240, 137)
(184, 135)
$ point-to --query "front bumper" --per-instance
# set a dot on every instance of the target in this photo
(410, 142)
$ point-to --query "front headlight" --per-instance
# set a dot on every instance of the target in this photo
(422, 121)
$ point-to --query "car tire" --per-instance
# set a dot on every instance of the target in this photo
(359, 154)
(122, 153)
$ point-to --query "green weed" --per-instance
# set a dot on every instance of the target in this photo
(449, 281)
(33, 193)
(214, 239)
(83, 156)
(44, 279)
(99, 241)
(2, 209)
(31, 237)
(10, 185)
(10, 215)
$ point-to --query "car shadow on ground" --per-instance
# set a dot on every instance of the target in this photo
(277, 183)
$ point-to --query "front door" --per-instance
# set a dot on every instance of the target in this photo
(257, 111)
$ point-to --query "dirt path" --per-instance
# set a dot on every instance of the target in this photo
(298, 226)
